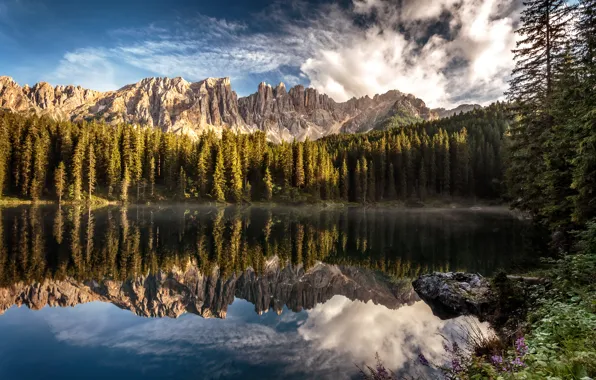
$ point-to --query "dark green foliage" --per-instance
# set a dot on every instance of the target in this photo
(551, 148)
(409, 161)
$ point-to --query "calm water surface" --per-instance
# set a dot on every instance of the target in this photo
(155, 292)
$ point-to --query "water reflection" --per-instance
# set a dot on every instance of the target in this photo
(330, 287)
(167, 261)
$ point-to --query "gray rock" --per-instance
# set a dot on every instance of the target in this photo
(453, 294)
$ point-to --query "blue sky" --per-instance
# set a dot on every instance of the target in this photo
(443, 51)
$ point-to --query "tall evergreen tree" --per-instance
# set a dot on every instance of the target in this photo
(268, 181)
(60, 180)
(91, 180)
(344, 180)
(219, 181)
(538, 56)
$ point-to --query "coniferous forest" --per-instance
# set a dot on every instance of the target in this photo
(551, 170)
(46, 159)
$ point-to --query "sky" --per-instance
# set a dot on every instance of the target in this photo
(446, 52)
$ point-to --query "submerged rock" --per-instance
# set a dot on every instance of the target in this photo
(452, 294)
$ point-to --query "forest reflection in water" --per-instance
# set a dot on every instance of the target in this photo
(338, 281)
(203, 257)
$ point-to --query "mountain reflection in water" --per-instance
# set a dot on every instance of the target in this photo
(351, 269)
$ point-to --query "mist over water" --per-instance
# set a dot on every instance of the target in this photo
(293, 291)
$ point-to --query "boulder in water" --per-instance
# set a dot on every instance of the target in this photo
(453, 294)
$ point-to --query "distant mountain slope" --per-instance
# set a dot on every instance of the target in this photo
(179, 106)
(462, 108)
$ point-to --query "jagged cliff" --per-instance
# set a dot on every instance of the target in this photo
(179, 291)
(185, 107)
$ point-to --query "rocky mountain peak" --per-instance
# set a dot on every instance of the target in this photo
(176, 105)
(188, 290)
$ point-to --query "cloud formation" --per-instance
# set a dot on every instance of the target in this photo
(445, 51)
(362, 330)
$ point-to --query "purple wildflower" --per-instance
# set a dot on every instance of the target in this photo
(520, 346)
(422, 359)
(518, 362)
(496, 359)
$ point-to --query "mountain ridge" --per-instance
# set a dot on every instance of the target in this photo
(180, 291)
(176, 105)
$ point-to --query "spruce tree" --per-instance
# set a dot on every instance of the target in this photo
(298, 165)
(538, 56)
(152, 176)
(235, 176)
(124, 184)
(268, 182)
(91, 180)
(77, 169)
(60, 180)
(219, 181)
(344, 180)
(358, 182)
(202, 171)
(364, 178)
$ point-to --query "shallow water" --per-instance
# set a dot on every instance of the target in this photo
(249, 292)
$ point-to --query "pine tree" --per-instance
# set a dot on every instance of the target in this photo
(91, 180)
(4, 155)
(358, 182)
(364, 179)
(39, 166)
(235, 176)
(202, 171)
(152, 176)
(77, 169)
(60, 180)
(298, 165)
(268, 181)
(114, 165)
(124, 184)
(538, 56)
(584, 162)
(217, 190)
(344, 180)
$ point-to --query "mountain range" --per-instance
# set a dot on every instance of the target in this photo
(179, 291)
(176, 105)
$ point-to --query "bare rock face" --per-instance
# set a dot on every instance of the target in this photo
(304, 113)
(452, 294)
(12, 96)
(190, 291)
(175, 105)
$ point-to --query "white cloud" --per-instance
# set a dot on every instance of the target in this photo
(89, 68)
(364, 329)
(333, 337)
(394, 48)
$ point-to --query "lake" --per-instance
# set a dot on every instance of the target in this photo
(236, 292)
